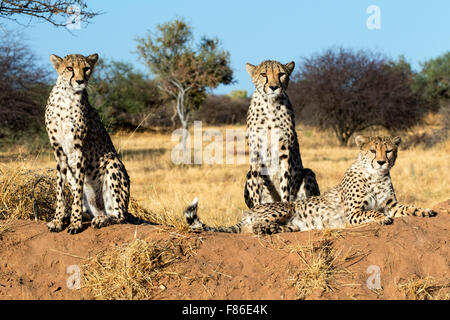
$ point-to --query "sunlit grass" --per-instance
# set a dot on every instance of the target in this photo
(420, 176)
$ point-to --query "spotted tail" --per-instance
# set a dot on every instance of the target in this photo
(196, 225)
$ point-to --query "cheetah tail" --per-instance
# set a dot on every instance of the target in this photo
(196, 225)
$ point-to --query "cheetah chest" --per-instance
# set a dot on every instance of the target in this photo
(65, 119)
(378, 192)
(268, 129)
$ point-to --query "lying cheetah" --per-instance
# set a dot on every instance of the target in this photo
(365, 195)
(84, 153)
(276, 171)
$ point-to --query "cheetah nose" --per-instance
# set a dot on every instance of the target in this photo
(381, 162)
(79, 81)
(273, 88)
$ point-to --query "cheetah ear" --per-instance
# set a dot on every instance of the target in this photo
(250, 68)
(397, 141)
(290, 66)
(92, 59)
(56, 61)
(360, 140)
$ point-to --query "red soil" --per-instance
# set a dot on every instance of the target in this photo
(33, 261)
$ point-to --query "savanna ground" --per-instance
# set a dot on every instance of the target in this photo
(177, 265)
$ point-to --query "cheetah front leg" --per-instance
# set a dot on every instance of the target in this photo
(77, 166)
(357, 208)
(359, 214)
(253, 184)
(285, 174)
(357, 217)
(394, 209)
(57, 224)
(251, 193)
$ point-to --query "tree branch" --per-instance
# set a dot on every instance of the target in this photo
(47, 10)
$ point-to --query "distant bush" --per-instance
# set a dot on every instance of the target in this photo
(434, 78)
(122, 95)
(24, 90)
(219, 110)
(349, 91)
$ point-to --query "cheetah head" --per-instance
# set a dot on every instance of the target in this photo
(378, 154)
(74, 70)
(270, 78)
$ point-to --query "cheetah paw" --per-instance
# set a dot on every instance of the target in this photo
(75, 228)
(55, 225)
(261, 229)
(100, 221)
(386, 221)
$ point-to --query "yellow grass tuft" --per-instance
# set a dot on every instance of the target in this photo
(23, 190)
(321, 268)
(128, 271)
(428, 288)
(5, 226)
(316, 270)
(31, 194)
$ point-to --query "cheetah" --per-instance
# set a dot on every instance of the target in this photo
(276, 170)
(365, 195)
(84, 153)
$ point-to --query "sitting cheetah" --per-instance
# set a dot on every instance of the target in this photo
(84, 152)
(365, 195)
(276, 170)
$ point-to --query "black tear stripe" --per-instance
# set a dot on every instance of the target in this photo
(73, 75)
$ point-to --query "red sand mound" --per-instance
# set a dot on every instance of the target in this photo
(410, 258)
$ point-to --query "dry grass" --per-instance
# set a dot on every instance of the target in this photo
(316, 270)
(428, 288)
(21, 189)
(166, 188)
(128, 271)
(321, 268)
(5, 226)
(31, 194)
(163, 188)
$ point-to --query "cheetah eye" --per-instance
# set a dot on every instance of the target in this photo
(86, 69)
(388, 151)
(70, 69)
(282, 74)
(373, 151)
(263, 75)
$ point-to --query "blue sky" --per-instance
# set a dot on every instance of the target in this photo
(253, 31)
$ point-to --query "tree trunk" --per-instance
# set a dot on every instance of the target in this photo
(183, 115)
(173, 117)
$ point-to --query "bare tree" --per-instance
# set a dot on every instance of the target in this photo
(184, 72)
(349, 91)
(55, 12)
